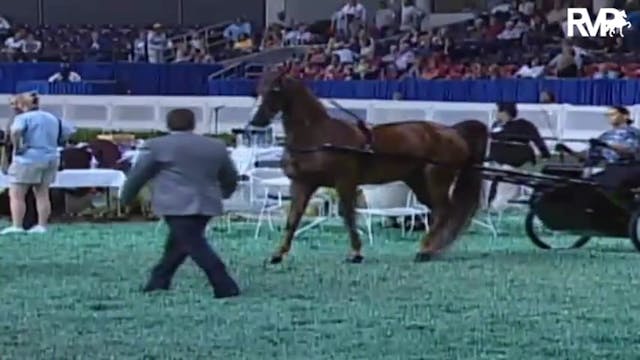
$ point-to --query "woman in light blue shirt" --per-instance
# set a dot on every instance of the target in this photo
(36, 136)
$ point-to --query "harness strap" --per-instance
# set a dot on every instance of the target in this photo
(368, 134)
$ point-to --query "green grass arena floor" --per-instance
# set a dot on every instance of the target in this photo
(73, 294)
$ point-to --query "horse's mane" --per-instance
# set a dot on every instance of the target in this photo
(301, 92)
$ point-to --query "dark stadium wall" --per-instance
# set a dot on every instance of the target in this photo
(21, 11)
(137, 12)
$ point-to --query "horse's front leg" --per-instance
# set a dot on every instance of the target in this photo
(348, 192)
(300, 194)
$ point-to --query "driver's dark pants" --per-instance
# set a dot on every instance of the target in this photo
(619, 176)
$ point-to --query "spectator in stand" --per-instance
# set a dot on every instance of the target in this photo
(13, 45)
(477, 30)
(196, 41)
(556, 18)
(405, 57)
(139, 47)
(476, 72)
(391, 55)
(493, 72)
(564, 64)
(537, 36)
(96, 48)
(367, 45)
(385, 21)
(527, 8)
(183, 53)
(495, 27)
(244, 43)
(531, 70)
(510, 32)
(238, 28)
(607, 71)
(299, 35)
(157, 44)
(31, 48)
(350, 18)
(410, 16)
(66, 74)
(201, 57)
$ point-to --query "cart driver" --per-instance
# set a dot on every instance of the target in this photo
(619, 147)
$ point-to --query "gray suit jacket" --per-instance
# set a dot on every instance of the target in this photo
(190, 175)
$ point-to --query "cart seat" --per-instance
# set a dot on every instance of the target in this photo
(573, 171)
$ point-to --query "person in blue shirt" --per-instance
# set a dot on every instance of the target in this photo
(236, 29)
(36, 136)
(618, 148)
(621, 143)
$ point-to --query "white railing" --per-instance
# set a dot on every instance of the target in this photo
(137, 113)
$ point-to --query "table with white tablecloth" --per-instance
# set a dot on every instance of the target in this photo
(83, 178)
(69, 179)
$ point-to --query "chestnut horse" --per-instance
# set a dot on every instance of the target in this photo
(437, 162)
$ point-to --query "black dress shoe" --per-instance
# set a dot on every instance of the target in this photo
(229, 291)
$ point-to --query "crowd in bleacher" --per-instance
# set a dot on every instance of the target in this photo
(521, 39)
(516, 39)
(154, 44)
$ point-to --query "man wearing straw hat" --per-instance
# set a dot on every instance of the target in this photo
(35, 136)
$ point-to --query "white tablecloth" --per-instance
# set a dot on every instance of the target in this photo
(81, 178)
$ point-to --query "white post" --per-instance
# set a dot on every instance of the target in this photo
(272, 8)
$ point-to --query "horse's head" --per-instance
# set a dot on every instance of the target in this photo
(272, 97)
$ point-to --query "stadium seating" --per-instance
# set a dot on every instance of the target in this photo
(71, 43)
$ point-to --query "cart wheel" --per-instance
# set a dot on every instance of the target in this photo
(534, 232)
(634, 229)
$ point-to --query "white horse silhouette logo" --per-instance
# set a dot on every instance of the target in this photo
(617, 24)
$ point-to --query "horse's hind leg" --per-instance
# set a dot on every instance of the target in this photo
(348, 191)
(438, 185)
(300, 195)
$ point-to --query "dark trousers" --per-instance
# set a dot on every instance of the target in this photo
(187, 239)
(619, 176)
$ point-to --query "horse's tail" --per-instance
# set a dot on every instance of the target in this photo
(467, 190)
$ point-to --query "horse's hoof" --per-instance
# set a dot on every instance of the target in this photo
(424, 257)
(275, 259)
(355, 259)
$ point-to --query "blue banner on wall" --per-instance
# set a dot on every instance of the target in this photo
(569, 91)
(134, 78)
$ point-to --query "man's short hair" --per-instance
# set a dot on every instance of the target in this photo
(181, 120)
(508, 107)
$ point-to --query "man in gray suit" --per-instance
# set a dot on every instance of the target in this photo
(190, 175)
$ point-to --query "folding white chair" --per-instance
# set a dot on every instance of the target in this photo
(270, 189)
(391, 200)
